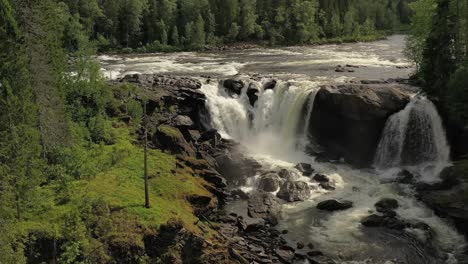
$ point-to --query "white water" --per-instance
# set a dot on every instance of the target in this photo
(273, 124)
(274, 132)
(417, 129)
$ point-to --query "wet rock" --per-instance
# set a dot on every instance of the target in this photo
(305, 168)
(300, 245)
(285, 254)
(233, 86)
(252, 93)
(238, 193)
(386, 204)
(405, 177)
(264, 205)
(373, 220)
(269, 182)
(334, 205)
(321, 178)
(294, 191)
(314, 253)
(171, 139)
(347, 120)
(310, 246)
(285, 175)
(270, 84)
(329, 186)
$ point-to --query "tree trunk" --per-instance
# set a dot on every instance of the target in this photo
(147, 203)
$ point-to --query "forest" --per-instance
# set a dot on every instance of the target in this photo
(63, 144)
(192, 24)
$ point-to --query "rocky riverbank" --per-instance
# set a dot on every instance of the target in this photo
(179, 123)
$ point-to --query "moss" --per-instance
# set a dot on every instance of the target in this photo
(170, 131)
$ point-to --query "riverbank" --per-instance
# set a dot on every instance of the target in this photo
(157, 47)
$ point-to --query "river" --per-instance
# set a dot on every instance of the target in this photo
(269, 132)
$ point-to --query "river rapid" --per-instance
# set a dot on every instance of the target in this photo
(274, 132)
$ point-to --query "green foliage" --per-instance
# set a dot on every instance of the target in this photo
(424, 11)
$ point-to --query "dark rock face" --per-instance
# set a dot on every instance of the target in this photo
(171, 139)
(269, 182)
(321, 178)
(347, 120)
(329, 186)
(305, 168)
(405, 177)
(449, 197)
(252, 93)
(334, 205)
(294, 191)
(233, 86)
(386, 204)
(270, 84)
(264, 205)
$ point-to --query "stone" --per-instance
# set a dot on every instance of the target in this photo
(270, 84)
(329, 186)
(347, 120)
(305, 168)
(334, 205)
(269, 182)
(252, 93)
(170, 139)
(321, 178)
(285, 254)
(386, 204)
(233, 86)
(300, 245)
(405, 177)
(373, 220)
(182, 121)
(294, 191)
(264, 205)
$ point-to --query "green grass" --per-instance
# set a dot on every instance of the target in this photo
(119, 182)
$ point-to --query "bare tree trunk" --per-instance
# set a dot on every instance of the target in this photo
(18, 207)
(147, 203)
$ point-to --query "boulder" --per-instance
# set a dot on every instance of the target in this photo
(171, 139)
(270, 84)
(329, 186)
(294, 191)
(269, 182)
(233, 86)
(264, 205)
(386, 204)
(347, 120)
(305, 168)
(334, 205)
(285, 254)
(182, 121)
(321, 178)
(252, 93)
(405, 177)
(285, 175)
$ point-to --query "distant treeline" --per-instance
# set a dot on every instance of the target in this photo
(439, 45)
(191, 24)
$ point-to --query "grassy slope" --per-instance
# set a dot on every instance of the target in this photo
(121, 186)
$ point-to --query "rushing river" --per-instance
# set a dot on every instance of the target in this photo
(269, 130)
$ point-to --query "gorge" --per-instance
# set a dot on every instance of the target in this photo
(296, 125)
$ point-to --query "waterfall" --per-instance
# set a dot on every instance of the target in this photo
(275, 124)
(414, 137)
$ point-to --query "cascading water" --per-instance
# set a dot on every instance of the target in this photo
(276, 123)
(415, 138)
